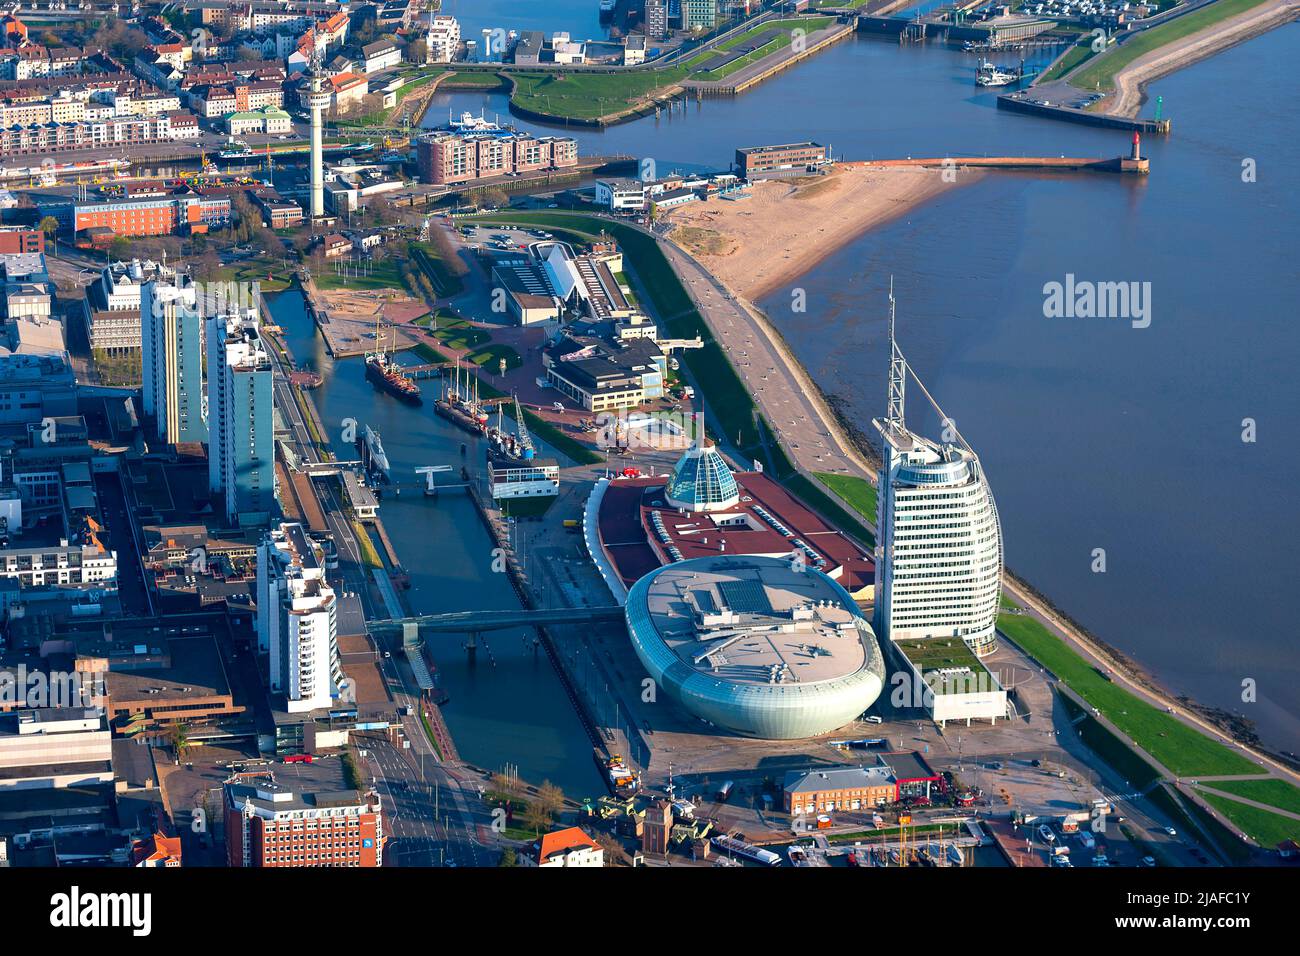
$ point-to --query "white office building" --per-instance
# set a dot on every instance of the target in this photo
(297, 619)
(939, 548)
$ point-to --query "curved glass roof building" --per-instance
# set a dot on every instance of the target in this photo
(757, 646)
(702, 481)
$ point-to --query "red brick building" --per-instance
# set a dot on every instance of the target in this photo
(301, 814)
(16, 239)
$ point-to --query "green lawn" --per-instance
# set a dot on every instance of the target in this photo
(384, 274)
(526, 507)
(489, 358)
(428, 352)
(774, 45)
(269, 274)
(1101, 72)
(459, 334)
(1179, 747)
(590, 95)
(1276, 793)
(858, 492)
(1266, 829)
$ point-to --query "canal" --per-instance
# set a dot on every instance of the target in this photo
(509, 707)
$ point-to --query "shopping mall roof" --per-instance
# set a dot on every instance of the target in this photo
(639, 530)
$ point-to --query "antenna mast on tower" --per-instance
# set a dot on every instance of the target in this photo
(897, 372)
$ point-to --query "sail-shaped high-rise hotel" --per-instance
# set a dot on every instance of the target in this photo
(939, 547)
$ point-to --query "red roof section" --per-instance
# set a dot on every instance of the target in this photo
(624, 524)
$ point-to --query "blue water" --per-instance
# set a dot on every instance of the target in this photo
(1095, 434)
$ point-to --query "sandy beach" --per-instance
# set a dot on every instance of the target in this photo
(756, 245)
(1131, 81)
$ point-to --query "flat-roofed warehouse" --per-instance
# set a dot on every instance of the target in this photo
(757, 646)
(751, 160)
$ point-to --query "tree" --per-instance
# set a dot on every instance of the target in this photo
(536, 817)
(119, 248)
(495, 196)
(417, 51)
(509, 857)
(180, 740)
(550, 797)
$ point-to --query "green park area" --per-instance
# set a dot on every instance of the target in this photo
(590, 96)
(384, 274)
(269, 274)
(1176, 745)
(1100, 73)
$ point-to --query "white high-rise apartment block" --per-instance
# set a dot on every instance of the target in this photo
(443, 39)
(297, 619)
(939, 547)
(171, 340)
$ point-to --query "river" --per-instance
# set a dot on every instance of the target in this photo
(1095, 434)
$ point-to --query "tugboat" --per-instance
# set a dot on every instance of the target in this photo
(387, 375)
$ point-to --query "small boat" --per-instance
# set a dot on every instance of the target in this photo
(989, 74)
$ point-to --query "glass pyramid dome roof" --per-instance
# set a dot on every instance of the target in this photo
(701, 481)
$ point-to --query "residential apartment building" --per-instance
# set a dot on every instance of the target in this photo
(448, 158)
(241, 443)
(64, 564)
(443, 40)
(172, 360)
(297, 619)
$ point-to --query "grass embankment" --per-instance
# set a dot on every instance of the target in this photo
(369, 553)
(1190, 819)
(1181, 748)
(1101, 72)
(1116, 753)
(1073, 58)
(589, 96)
(773, 45)
(382, 117)
(858, 492)
(473, 81)
(446, 281)
(1276, 793)
(1264, 827)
